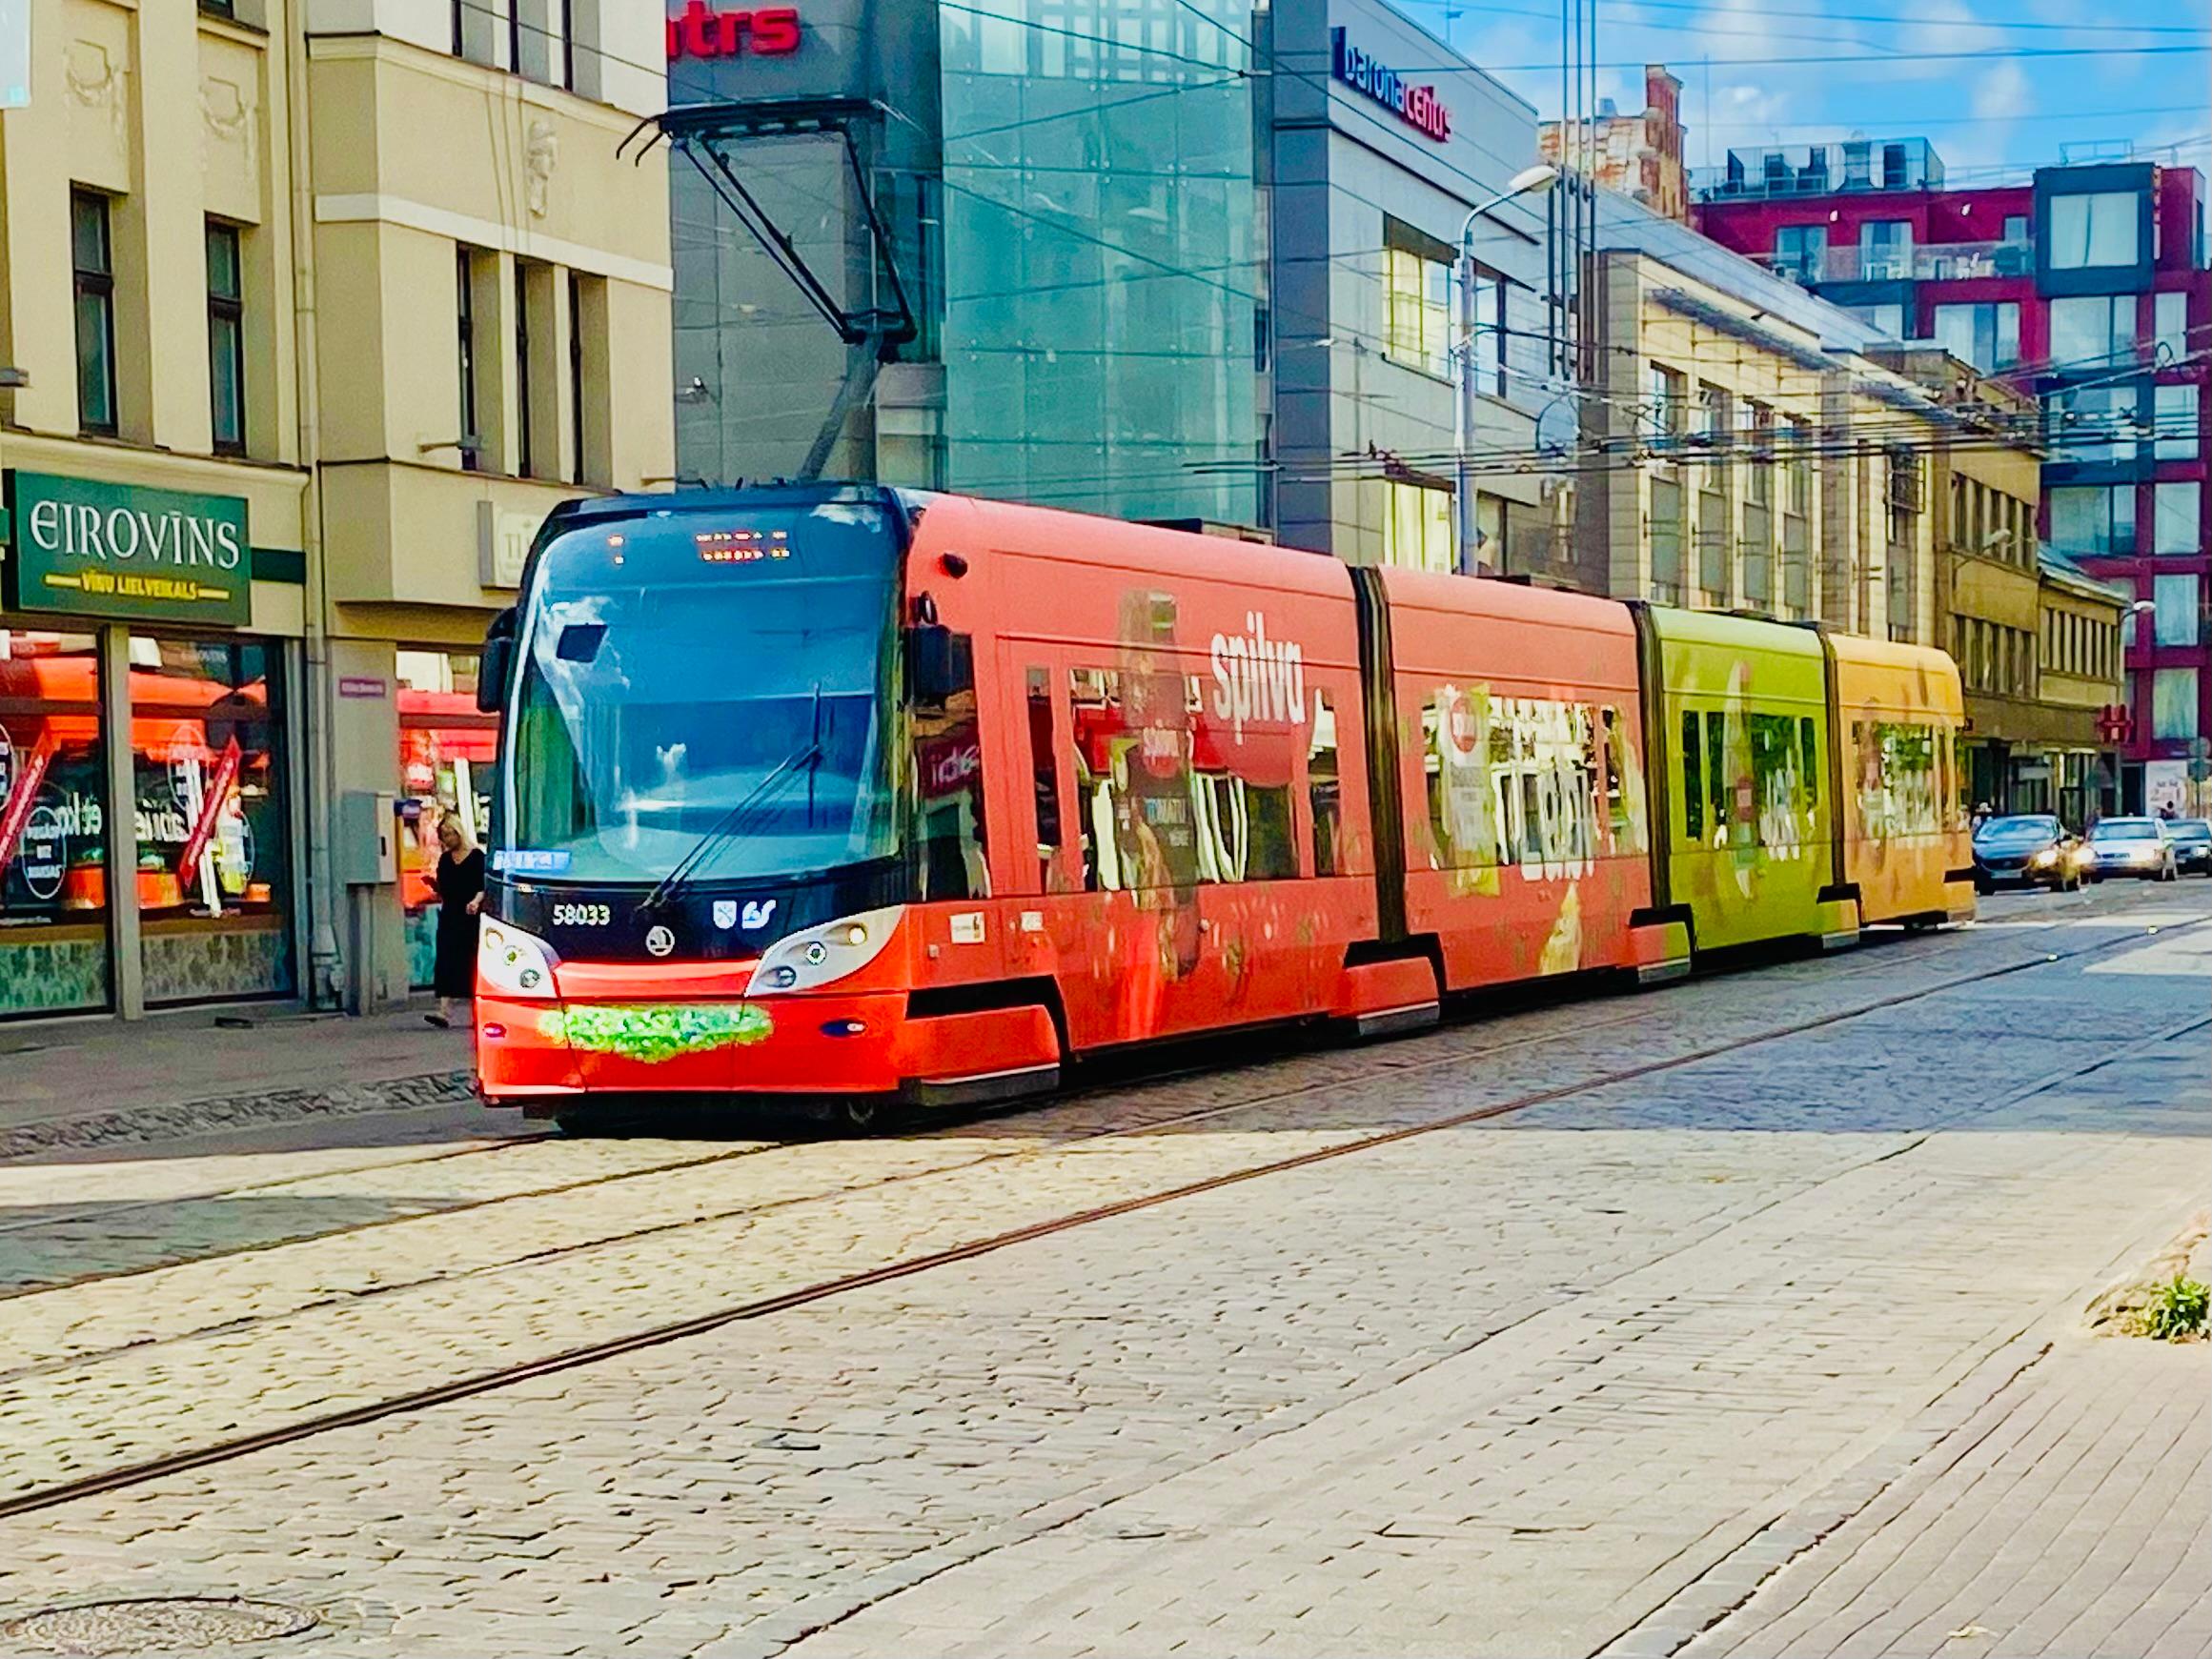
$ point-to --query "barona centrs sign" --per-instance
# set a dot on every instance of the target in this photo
(91, 549)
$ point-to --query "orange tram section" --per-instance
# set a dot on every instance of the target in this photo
(1147, 784)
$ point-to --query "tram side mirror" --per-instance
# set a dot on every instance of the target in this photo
(939, 663)
(499, 660)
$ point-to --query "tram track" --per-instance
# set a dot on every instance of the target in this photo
(490, 1380)
(1886, 955)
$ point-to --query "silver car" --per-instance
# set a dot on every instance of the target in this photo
(2132, 846)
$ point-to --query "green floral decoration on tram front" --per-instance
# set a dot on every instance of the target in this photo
(655, 1033)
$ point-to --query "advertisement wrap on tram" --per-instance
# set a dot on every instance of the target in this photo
(851, 796)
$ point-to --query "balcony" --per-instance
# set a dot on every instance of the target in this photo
(1820, 169)
(1931, 262)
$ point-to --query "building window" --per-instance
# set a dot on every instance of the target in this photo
(1759, 477)
(1886, 320)
(1417, 534)
(2096, 520)
(1417, 309)
(465, 313)
(2016, 230)
(1798, 462)
(2174, 703)
(2174, 412)
(2174, 526)
(54, 770)
(1667, 533)
(2094, 422)
(575, 380)
(2090, 330)
(568, 49)
(2092, 229)
(226, 340)
(1801, 252)
(92, 255)
(2176, 597)
(1885, 249)
(2170, 327)
(524, 460)
(1986, 336)
(1486, 350)
(1669, 406)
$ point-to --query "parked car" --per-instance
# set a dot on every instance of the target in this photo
(2192, 839)
(2132, 846)
(2028, 849)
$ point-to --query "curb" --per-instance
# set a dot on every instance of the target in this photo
(168, 1121)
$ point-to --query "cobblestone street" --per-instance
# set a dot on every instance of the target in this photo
(1749, 1316)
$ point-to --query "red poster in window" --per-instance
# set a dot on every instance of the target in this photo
(212, 805)
(16, 813)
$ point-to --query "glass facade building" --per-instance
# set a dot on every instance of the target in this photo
(1072, 198)
(1104, 258)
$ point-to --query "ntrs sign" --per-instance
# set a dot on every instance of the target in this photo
(697, 33)
(1415, 106)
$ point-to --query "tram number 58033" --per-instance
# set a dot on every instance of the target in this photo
(581, 914)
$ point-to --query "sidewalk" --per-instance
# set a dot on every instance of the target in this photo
(91, 1082)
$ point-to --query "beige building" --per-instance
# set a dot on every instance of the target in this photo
(2037, 639)
(1639, 155)
(312, 308)
(1735, 463)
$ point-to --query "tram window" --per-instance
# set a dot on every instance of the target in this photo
(1693, 779)
(1323, 788)
(1716, 779)
(1135, 809)
(1809, 741)
(948, 802)
(1776, 779)
(1044, 776)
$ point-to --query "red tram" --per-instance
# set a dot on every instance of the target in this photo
(854, 795)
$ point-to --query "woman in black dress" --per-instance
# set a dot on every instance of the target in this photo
(461, 895)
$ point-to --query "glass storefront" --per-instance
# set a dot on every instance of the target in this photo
(447, 747)
(54, 876)
(213, 877)
(1104, 260)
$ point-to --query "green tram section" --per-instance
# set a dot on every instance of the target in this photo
(1741, 729)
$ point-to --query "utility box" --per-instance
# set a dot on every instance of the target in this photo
(368, 849)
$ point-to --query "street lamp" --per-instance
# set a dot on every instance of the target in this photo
(1529, 181)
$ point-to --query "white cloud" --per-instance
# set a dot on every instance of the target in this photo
(2003, 93)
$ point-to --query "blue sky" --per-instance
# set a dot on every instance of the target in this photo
(2003, 109)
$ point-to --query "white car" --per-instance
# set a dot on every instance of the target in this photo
(2132, 846)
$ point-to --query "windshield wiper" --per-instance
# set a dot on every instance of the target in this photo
(808, 754)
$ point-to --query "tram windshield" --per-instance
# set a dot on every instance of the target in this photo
(706, 690)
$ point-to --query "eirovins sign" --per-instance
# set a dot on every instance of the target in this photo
(90, 549)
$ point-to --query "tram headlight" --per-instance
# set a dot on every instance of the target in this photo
(821, 956)
(512, 963)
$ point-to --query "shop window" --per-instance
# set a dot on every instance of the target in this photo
(226, 340)
(447, 751)
(92, 258)
(2095, 228)
(1044, 778)
(207, 736)
(1325, 787)
(54, 876)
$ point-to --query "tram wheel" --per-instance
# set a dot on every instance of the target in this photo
(860, 1113)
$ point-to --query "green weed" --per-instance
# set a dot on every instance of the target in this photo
(2178, 1308)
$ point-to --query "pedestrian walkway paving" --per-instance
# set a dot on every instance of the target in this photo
(2067, 1517)
(74, 1083)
